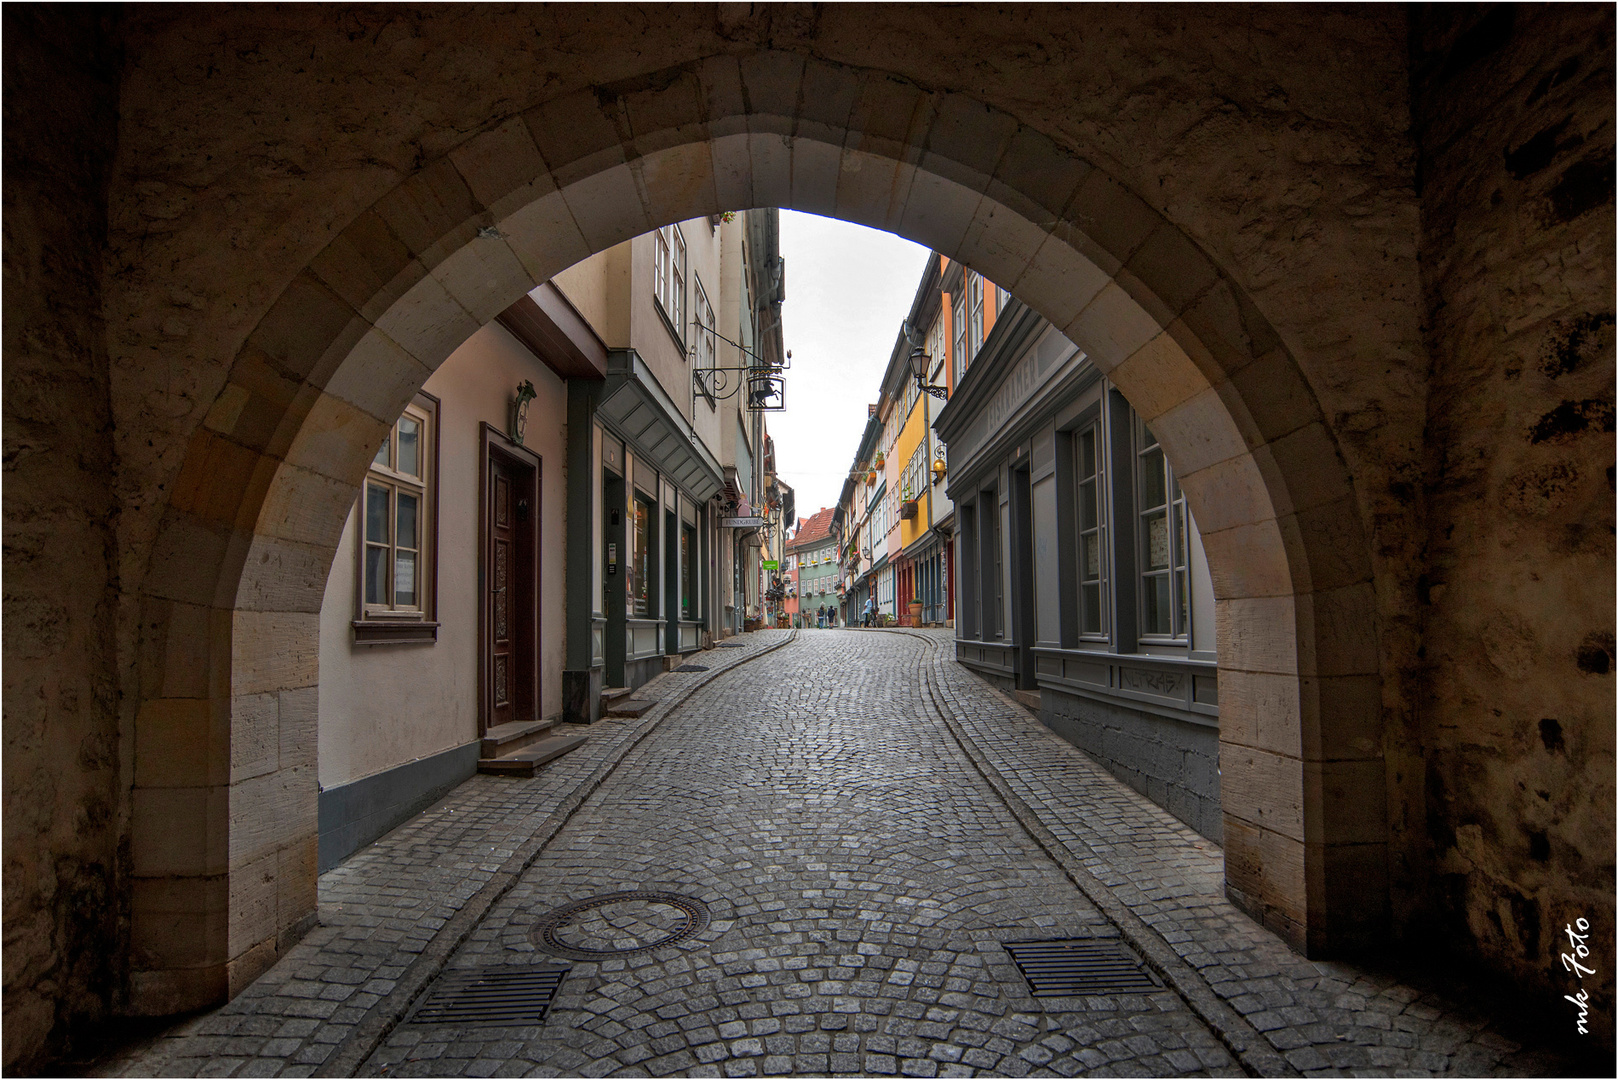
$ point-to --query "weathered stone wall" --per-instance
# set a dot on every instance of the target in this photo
(1508, 764)
(62, 792)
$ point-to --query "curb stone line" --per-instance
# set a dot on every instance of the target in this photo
(367, 1036)
(1250, 1049)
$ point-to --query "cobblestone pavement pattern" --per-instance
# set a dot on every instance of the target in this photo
(865, 822)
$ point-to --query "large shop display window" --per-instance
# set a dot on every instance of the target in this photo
(640, 558)
(688, 572)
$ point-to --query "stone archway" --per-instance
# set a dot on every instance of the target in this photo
(224, 842)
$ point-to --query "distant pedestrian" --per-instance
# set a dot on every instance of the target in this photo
(870, 611)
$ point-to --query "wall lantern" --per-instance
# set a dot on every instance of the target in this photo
(939, 468)
(519, 409)
(919, 363)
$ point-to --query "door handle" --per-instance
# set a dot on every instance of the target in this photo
(501, 589)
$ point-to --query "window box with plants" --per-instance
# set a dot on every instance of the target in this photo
(907, 501)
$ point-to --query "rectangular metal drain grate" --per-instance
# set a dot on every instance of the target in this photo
(1081, 966)
(506, 995)
(690, 667)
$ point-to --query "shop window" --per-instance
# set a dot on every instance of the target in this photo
(397, 522)
(639, 579)
(1092, 532)
(991, 583)
(1165, 590)
(688, 572)
(999, 616)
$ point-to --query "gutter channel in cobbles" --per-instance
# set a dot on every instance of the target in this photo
(379, 1021)
(1245, 1043)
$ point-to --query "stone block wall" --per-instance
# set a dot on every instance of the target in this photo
(1504, 786)
(64, 807)
(1170, 761)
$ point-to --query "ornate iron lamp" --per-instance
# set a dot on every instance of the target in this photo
(920, 362)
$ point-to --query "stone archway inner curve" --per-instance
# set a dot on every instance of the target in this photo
(270, 477)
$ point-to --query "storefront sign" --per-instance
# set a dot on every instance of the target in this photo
(741, 523)
(771, 564)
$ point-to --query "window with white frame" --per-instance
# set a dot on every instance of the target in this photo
(935, 346)
(912, 484)
(974, 300)
(1092, 532)
(707, 344)
(397, 515)
(707, 327)
(1002, 297)
(1165, 590)
(960, 337)
(668, 275)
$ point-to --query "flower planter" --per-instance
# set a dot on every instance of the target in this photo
(907, 510)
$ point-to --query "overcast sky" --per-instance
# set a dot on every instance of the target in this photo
(848, 290)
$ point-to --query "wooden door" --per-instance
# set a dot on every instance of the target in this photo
(503, 537)
(510, 608)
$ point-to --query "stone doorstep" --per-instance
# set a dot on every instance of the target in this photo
(626, 707)
(504, 738)
(526, 761)
(614, 693)
(1028, 699)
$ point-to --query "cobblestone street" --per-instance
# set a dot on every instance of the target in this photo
(862, 824)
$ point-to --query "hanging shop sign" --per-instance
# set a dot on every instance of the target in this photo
(741, 523)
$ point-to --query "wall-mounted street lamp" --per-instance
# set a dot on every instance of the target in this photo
(920, 362)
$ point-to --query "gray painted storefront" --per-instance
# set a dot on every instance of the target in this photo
(1145, 706)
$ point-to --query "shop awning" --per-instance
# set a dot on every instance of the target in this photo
(635, 406)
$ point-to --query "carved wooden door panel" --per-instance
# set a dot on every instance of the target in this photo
(501, 580)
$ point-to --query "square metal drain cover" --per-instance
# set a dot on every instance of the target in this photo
(690, 667)
(1077, 967)
(502, 995)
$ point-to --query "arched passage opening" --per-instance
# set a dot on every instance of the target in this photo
(224, 825)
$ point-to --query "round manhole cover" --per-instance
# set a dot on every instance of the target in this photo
(620, 924)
